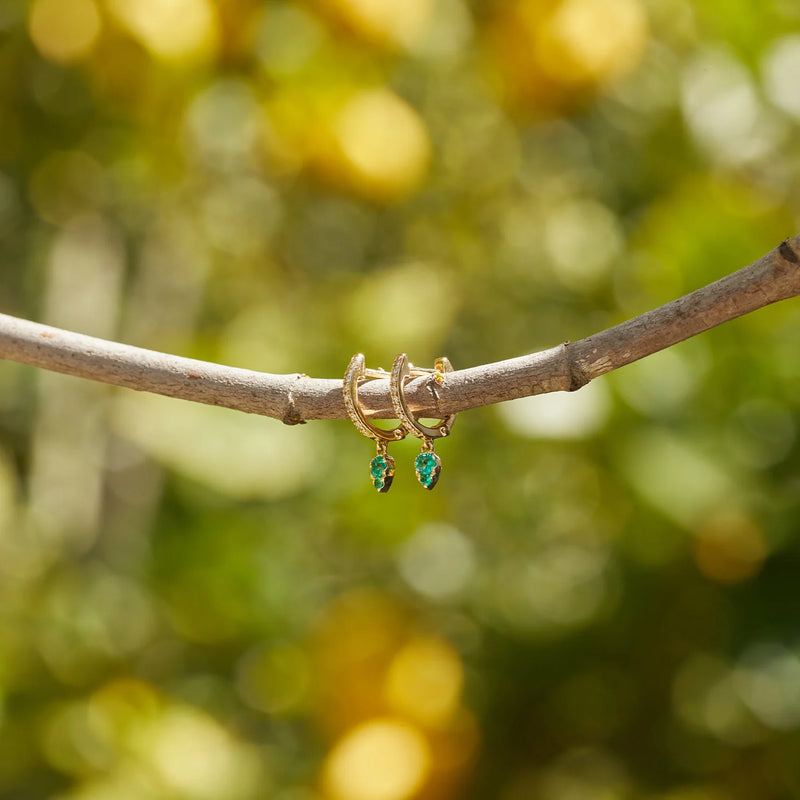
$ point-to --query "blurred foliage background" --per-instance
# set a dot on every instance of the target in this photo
(598, 601)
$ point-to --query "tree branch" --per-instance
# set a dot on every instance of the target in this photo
(297, 398)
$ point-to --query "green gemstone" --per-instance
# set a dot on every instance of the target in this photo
(425, 462)
(377, 466)
(378, 483)
(427, 467)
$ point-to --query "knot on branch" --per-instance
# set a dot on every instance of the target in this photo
(576, 375)
(788, 253)
(290, 416)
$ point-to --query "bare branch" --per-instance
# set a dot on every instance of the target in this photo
(297, 398)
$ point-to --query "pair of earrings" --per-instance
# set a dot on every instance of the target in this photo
(427, 465)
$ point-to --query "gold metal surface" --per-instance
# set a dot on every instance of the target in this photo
(401, 371)
(356, 371)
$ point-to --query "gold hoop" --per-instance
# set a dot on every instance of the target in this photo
(356, 371)
(401, 371)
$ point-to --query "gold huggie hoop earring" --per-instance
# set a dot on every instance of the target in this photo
(381, 468)
(427, 464)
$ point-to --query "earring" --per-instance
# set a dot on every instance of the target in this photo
(381, 468)
(427, 464)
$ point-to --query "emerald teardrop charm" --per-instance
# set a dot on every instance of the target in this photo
(381, 471)
(428, 467)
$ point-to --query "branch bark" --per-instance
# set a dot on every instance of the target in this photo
(296, 398)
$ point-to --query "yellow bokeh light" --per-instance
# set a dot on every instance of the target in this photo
(383, 759)
(368, 142)
(64, 30)
(550, 54)
(588, 40)
(381, 145)
(121, 705)
(397, 23)
(194, 756)
(424, 682)
(357, 641)
(173, 30)
(729, 548)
